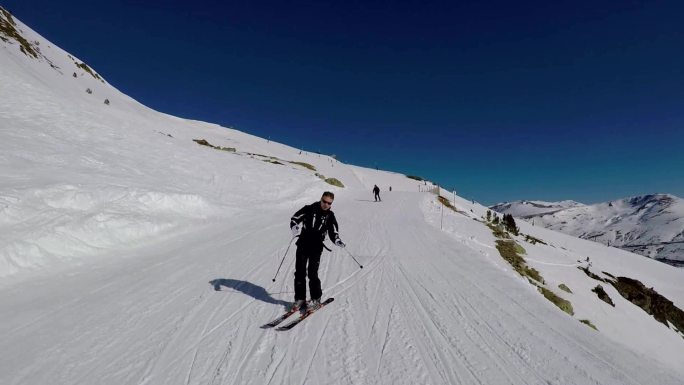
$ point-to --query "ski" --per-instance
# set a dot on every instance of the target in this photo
(278, 320)
(304, 316)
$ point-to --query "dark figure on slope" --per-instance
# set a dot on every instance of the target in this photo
(376, 192)
(315, 221)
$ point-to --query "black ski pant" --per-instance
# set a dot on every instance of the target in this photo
(377, 197)
(308, 253)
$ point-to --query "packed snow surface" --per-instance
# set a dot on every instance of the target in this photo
(116, 229)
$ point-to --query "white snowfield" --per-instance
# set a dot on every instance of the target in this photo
(116, 229)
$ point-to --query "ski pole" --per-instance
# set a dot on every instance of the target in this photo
(357, 262)
(283, 260)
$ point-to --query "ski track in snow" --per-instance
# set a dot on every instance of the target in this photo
(408, 317)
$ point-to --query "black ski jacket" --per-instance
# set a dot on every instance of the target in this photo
(316, 222)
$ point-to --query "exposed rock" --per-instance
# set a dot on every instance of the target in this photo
(603, 296)
(661, 308)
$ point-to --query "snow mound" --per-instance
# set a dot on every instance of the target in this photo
(64, 221)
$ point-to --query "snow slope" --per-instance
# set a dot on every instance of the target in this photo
(650, 225)
(425, 309)
(81, 177)
(116, 228)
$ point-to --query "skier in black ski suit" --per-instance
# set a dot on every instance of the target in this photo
(376, 192)
(314, 220)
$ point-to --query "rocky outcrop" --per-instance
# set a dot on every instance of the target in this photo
(653, 303)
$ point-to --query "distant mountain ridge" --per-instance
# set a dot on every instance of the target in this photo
(651, 225)
(524, 209)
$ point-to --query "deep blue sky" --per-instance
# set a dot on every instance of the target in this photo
(502, 100)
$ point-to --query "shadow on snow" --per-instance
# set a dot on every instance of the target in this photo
(252, 290)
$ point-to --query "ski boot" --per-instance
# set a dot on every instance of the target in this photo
(298, 305)
(315, 304)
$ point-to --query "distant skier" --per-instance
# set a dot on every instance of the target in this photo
(314, 220)
(390, 189)
(376, 192)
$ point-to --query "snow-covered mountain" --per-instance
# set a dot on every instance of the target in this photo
(524, 209)
(139, 248)
(650, 225)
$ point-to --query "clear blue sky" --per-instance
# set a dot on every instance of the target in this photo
(502, 100)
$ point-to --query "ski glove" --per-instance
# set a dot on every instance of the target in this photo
(338, 242)
(295, 230)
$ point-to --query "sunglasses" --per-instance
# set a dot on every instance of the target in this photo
(329, 203)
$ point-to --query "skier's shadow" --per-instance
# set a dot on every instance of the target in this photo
(366, 200)
(252, 290)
